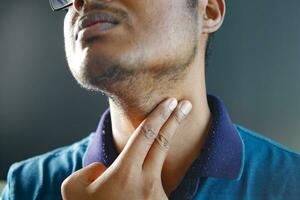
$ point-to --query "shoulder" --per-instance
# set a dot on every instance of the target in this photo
(259, 144)
(40, 177)
(268, 163)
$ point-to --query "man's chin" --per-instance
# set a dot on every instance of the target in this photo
(104, 81)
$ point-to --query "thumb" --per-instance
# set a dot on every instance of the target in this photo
(81, 179)
(93, 171)
(86, 175)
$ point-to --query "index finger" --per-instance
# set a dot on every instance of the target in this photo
(143, 137)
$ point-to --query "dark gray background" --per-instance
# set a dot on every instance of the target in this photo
(254, 68)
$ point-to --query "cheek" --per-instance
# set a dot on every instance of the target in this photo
(68, 36)
(171, 38)
(72, 58)
(68, 28)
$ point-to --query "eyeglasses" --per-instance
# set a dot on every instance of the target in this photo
(57, 5)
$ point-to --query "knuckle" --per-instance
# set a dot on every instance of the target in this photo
(148, 131)
(67, 186)
(163, 142)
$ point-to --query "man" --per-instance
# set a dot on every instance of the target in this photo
(162, 136)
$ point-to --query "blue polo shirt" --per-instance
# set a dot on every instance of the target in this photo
(235, 163)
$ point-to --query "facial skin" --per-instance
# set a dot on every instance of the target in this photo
(156, 52)
(144, 47)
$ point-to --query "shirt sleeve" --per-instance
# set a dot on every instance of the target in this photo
(5, 193)
(32, 179)
(40, 177)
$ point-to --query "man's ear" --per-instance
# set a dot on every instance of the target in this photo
(213, 15)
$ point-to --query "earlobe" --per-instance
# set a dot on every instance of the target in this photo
(213, 15)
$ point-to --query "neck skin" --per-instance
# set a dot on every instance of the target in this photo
(191, 133)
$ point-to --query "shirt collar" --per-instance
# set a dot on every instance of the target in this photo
(223, 153)
(221, 157)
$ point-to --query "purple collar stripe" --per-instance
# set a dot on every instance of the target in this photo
(101, 148)
(223, 152)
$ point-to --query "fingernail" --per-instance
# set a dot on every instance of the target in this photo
(173, 104)
(186, 107)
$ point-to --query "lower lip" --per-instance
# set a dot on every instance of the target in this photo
(95, 30)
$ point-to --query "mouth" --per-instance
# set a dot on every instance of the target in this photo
(95, 23)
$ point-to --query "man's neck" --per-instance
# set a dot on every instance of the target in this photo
(189, 138)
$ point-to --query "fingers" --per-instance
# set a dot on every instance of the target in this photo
(158, 152)
(80, 179)
(143, 137)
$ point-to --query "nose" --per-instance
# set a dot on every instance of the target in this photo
(80, 4)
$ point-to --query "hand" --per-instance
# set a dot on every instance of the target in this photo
(136, 173)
